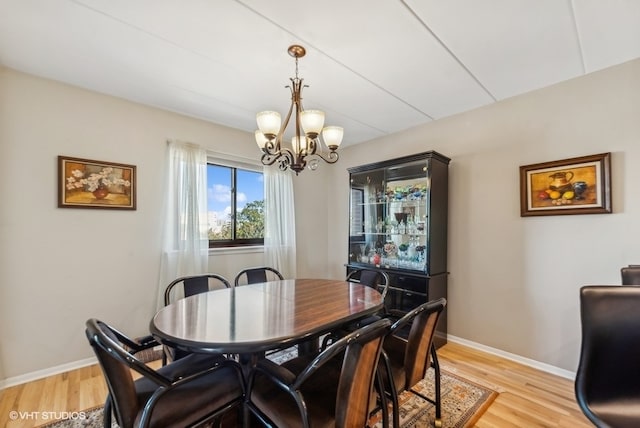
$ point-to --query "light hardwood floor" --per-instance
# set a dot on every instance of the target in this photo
(528, 397)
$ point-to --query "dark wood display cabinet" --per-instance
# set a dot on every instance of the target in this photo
(398, 224)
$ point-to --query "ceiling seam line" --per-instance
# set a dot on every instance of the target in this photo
(176, 45)
(572, 8)
(336, 61)
(158, 37)
(144, 31)
(449, 51)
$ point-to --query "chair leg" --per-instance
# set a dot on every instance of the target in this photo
(437, 401)
(396, 407)
(436, 366)
(326, 341)
(246, 404)
(246, 415)
(164, 356)
(106, 413)
(383, 400)
(392, 390)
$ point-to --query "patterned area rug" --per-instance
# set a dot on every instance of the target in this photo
(463, 402)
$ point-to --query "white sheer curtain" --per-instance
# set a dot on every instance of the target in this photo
(280, 222)
(185, 239)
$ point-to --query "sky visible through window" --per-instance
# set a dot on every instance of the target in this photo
(250, 188)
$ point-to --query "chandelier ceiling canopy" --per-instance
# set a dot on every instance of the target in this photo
(308, 125)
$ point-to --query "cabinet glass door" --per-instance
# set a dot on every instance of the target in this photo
(389, 216)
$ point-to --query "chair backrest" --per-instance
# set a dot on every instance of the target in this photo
(358, 374)
(116, 364)
(257, 274)
(375, 279)
(630, 275)
(194, 285)
(361, 350)
(608, 374)
(423, 321)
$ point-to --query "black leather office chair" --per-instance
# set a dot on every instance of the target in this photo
(195, 389)
(405, 361)
(607, 383)
(630, 275)
(334, 389)
(184, 287)
(257, 274)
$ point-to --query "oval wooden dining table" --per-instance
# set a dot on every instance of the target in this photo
(255, 318)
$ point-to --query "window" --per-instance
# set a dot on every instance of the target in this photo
(235, 199)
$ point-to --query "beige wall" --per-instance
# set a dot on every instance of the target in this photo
(58, 267)
(514, 281)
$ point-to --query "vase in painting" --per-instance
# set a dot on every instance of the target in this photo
(101, 192)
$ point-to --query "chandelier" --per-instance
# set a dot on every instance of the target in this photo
(308, 126)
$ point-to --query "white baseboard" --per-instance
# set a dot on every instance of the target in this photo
(513, 357)
(39, 374)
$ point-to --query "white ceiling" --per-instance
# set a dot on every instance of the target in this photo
(374, 66)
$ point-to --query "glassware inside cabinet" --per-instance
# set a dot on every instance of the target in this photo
(388, 220)
(408, 205)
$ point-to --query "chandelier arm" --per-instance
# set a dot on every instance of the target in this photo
(300, 136)
(284, 164)
(311, 143)
(331, 157)
(269, 159)
(271, 147)
(313, 147)
(285, 122)
(297, 100)
(273, 151)
(271, 154)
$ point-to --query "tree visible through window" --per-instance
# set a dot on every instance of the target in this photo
(236, 206)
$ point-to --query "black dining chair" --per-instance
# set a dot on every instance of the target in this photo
(332, 389)
(254, 275)
(189, 285)
(607, 383)
(405, 361)
(378, 280)
(630, 275)
(193, 390)
(184, 287)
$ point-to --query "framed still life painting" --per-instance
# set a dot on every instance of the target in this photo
(85, 183)
(579, 185)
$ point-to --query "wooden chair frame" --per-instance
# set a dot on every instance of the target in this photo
(358, 373)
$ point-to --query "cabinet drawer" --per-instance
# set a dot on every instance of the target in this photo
(410, 283)
(403, 300)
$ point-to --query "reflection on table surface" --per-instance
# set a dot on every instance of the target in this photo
(263, 316)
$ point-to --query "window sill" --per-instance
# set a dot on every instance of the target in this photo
(236, 250)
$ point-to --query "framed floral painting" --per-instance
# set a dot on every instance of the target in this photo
(85, 183)
(568, 186)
